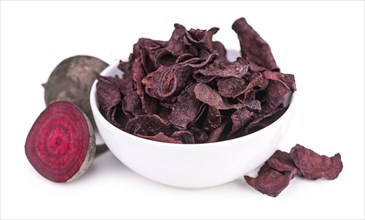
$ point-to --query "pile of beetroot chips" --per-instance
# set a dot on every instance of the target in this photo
(274, 176)
(184, 90)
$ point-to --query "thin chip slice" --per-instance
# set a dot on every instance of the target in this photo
(253, 47)
(217, 133)
(282, 162)
(231, 87)
(186, 109)
(269, 181)
(146, 125)
(212, 120)
(236, 69)
(314, 166)
(240, 118)
(211, 97)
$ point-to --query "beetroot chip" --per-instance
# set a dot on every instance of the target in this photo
(186, 108)
(147, 103)
(199, 62)
(269, 181)
(282, 162)
(253, 47)
(264, 120)
(287, 79)
(221, 52)
(166, 81)
(164, 58)
(125, 67)
(237, 69)
(199, 135)
(146, 125)
(281, 167)
(176, 45)
(151, 82)
(173, 81)
(145, 50)
(132, 104)
(231, 87)
(185, 137)
(201, 38)
(252, 105)
(276, 93)
(257, 82)
(213, 119)
(211, 97)
(108, 96)
(240, 118)
(217, 133)
(314, 166)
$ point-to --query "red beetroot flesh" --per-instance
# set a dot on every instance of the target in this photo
(61, 144)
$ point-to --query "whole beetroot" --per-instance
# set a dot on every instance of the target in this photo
(71, 81)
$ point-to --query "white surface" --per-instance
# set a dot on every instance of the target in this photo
(322, 43)
(190, 166)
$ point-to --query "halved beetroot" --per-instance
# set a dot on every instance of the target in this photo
(61, 142)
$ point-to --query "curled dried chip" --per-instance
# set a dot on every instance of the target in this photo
(276, 92)
(147, 103)
(186, 137)
(282, 162)
(287, 79)
(252, 105)
(173, 80)
(264, 120)
(216, 134)
(240, 118)
(166, 81)
(237, 69)
(257, 82)
(231, 87)
(132, 104)
(314, 166)
(212, 120)
(202, 38)
(253, 47)
(146, 125)
(269, 181)
(176, 45)
(186, 108)
(199, 135)
(211, 97)
(221, 52)
(108, 95)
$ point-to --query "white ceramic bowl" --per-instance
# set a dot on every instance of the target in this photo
(190, 165)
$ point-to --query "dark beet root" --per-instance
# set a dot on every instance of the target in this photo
(71, 81)
(61, 142)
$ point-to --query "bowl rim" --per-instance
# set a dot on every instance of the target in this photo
(97, 114)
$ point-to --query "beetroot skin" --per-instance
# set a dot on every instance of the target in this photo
(61, 142)
(71, 80)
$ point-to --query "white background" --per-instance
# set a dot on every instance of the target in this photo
(322, 43)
